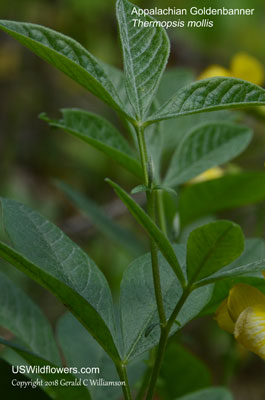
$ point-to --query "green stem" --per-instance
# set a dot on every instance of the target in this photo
(143, 153)
(161, 212)
(121, 369)
(178, 307)
(162, 344)
(150, 196)
(159, 358)
(155, 265)
(165, 326)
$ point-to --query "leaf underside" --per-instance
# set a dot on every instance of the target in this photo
(44, 253)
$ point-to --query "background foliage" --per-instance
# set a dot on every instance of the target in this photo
(32, 155)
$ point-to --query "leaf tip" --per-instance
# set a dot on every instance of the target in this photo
(109, 181)
(43, 116)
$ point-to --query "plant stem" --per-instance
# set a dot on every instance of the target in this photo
(159, 358)
(163, 342)
(161, 212)
(177, 309)
(155, 265)
(143, 153)
(150, 196)
(165, 326)
(121, 369)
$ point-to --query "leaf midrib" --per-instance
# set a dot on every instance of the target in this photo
(129, 56)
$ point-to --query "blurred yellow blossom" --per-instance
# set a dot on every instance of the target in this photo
(243, 314)
(242, 66)
(214, 70)
(246, 67)
(211, 173)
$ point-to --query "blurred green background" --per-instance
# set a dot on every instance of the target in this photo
(32, 155)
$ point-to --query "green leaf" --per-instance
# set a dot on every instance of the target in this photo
(145, 54)
(151, 228)
(176, 129)
(214, 393)
(56, 392)
(162, 142)
(13, 358)
(20, 315)
(144, 188)
(256, 266)
(80, 350)
(117, 77)
(180, 362)
(166, 188)
(185, 232)
(49, 257)
(140, 189)
(210, 95)
(99, 133)
(206, 146)
(254, 250)
(211, 247)
(228, 192)
(68, 56)
(83, 351)
(139, 316)
(106, 225)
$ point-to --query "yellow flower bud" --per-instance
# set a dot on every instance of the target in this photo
(250, 329)
(243, 314)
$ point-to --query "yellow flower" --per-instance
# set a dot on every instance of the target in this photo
(243, 66)
(246, 67)
(211, 173)
(214, 70)
(243, 314)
